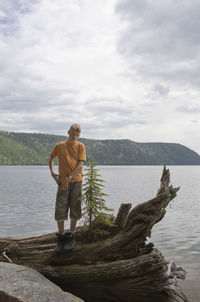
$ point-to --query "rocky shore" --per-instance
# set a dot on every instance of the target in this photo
(20, 283)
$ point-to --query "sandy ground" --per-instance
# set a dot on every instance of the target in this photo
(191, 288)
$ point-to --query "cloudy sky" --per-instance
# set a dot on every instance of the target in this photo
(121, 69)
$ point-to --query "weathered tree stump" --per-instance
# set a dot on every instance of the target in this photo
(115, 269)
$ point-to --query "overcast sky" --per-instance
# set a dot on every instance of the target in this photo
(121, 69)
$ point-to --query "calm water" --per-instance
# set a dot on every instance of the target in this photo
(27, 201)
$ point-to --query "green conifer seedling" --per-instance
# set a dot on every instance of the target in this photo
(94, 204)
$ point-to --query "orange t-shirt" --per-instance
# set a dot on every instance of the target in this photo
(68, 157)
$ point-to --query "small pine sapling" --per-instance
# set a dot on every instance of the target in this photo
(95, 207)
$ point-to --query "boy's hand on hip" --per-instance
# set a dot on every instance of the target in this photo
(64, 185)
(56, 177)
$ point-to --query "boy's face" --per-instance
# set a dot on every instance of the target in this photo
(73, 135)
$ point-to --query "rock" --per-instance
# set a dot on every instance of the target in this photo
(19, 283)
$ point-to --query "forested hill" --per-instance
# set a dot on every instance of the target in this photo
(17, 148)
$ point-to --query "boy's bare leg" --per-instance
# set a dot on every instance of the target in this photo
(73, 224)
(60, 226)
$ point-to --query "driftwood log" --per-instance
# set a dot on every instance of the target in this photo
(120, 268)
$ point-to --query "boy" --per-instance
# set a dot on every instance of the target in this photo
(71, 156)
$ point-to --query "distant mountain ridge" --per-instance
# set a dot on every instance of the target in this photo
(20, 148)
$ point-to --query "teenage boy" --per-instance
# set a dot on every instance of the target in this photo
(71, 157)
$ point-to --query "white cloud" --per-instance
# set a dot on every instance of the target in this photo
(122, 69)
(2, 15)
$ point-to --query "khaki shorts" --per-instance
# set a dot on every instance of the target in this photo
(66, 200)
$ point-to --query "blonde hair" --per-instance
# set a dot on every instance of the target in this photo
(75, 127)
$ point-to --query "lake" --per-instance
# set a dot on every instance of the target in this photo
(27, 202)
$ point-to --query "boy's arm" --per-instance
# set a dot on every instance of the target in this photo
(78, 168)
(54, 175)
(53, 154)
